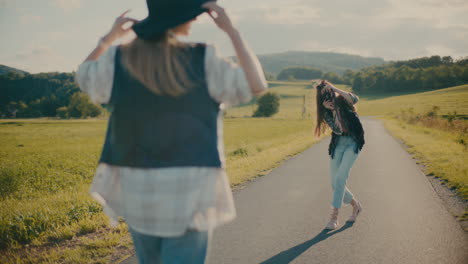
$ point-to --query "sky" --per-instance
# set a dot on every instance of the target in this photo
(56, 35)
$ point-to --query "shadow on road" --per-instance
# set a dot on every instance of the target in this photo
(290, 254)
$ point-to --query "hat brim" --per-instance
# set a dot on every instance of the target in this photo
(149, 27)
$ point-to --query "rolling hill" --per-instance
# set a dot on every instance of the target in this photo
(325, 61)
(5, 70)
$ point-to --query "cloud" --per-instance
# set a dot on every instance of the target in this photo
(392, 29)
(37, 59)
(30, 19)
(436, 49)
(287, 14)
(205, 19)
(67, 5)
(274, 12)
(6, 3)
(34, 52)
(439, 14)
(337, 48)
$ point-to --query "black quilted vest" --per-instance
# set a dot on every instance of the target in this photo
(146, 130)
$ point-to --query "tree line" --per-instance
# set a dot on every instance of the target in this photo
(425, 73)
(57, 94)
(44, 95)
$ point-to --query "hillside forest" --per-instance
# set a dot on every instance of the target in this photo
(25, 95)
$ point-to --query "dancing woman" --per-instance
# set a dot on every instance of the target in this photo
(335, 109)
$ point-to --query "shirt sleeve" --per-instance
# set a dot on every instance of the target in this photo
(226, 80)
(354, 98)
(96, 77)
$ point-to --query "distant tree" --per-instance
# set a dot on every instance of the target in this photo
(300, 73)
(333, 77)
(17, 109)
(357, 83)
(268, 105)
(62, 112)
(43, 93)
(81, 106)
(464, 75)
(424, 62)
(447, 60)
(463, 61)
(348, 77)
(426, 73)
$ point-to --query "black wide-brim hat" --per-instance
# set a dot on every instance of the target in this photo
(167, 14)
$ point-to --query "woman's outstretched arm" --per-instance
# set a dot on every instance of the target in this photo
(115, 33)
(349, 97)
(247, 60)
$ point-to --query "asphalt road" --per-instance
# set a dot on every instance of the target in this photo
(281, 216)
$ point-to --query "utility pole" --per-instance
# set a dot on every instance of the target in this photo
(304, 108)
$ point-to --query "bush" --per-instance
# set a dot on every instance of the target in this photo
(17, 109)
(434, 112)
(62, 112)
(9, 182)
(333, 77)
(240, 152)
(268, 105)
(82, 107)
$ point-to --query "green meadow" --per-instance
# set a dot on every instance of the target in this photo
(46, 166)
(448, 100)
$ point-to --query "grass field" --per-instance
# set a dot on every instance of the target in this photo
(444, 153)
(46, 167)
(448, 99)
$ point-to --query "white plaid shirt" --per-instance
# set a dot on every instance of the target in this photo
(167, 201)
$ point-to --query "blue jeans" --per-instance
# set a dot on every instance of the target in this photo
(340, 165)
(191, 247)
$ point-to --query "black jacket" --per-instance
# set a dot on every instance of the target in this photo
(355, 131)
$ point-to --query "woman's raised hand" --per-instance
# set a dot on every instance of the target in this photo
(117, 31)
(247, 59)
(219, 16)
(329, 86)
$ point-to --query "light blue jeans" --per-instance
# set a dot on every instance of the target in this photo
(191, 247)
(343, 159)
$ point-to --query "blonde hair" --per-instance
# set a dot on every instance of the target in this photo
(160, 64)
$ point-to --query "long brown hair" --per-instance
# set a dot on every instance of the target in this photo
(159, 64)
(340, 103)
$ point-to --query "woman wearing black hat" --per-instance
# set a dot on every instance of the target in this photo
(161, 167)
